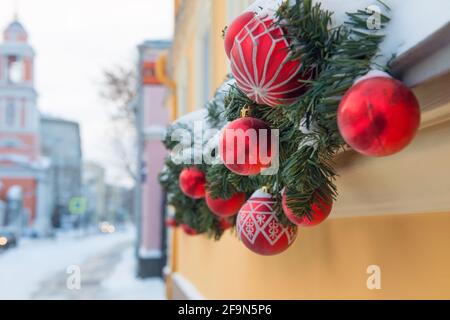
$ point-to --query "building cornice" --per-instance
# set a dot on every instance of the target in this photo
(426, 60)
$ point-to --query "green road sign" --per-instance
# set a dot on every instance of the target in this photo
(77, 205)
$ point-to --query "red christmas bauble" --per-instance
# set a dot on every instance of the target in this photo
(171, 223)
(258, 227)
(225, 224)
(188, 230)
(234, 28)
(320, 210)
(246, 146)
(262, 64)
(378, 116)
(225, 207)
(192, 182)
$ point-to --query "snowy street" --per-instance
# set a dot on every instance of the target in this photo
(105, 264)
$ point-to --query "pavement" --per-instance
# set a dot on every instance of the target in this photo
(93, 272)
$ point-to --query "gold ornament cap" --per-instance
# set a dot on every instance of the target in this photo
(245, 111)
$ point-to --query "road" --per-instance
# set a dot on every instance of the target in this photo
(104, 266)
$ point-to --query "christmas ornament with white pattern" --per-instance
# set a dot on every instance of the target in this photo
(262, 64)
(258, 227)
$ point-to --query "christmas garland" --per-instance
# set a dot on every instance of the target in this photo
(294, 73)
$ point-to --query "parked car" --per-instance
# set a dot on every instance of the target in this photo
(8, 240)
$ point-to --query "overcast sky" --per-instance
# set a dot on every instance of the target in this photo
(75, 40)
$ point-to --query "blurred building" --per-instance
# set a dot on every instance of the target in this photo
(94, 192)
(61, 142)
(392, 213)
(152, 119)
(118, 204)
(22, 165)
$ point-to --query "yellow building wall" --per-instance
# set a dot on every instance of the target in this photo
(329, 262)
(191, 15)
(392, 212)
(219, 21)
(183, 53)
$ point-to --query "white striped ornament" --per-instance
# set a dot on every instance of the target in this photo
(261, 63)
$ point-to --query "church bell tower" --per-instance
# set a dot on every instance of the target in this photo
(19, 116)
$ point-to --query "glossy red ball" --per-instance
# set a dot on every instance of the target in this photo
(246, 146)
(188, 230)
(192, 182)
(225, 224)
(225, 207)
(235, 28)
(258, 227)
(262, 64)
(171, 223)
(320, 210)
(378, 116)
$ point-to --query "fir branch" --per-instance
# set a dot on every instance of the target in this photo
(348, 56)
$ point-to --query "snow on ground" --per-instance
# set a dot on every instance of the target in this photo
(22, 269)
(123, 285)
